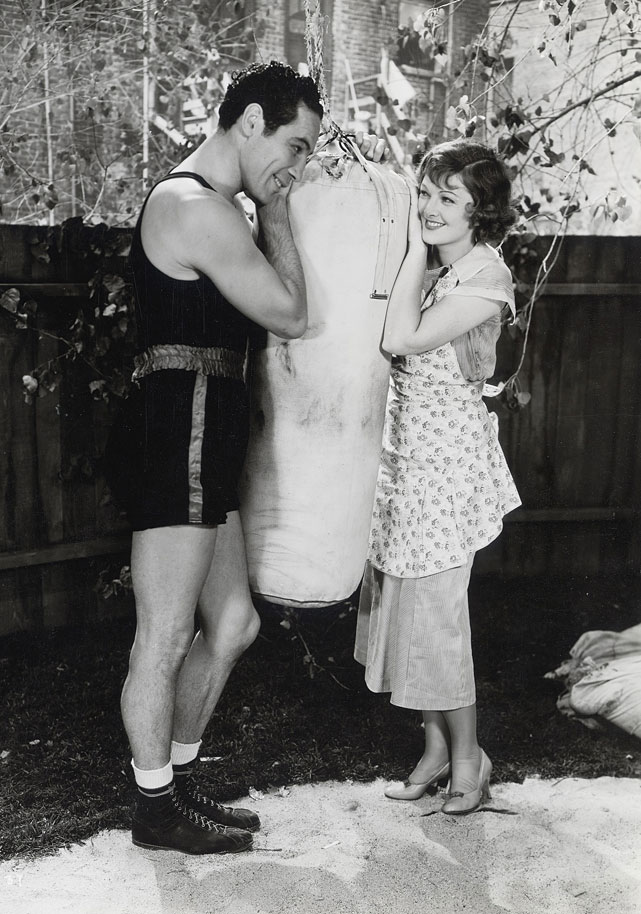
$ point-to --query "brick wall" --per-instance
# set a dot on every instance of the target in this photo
(270, 42)
(359, 31)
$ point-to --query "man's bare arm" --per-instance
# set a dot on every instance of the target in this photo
(188, 231)
(276, 241)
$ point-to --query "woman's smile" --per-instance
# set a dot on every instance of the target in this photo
(445, 216)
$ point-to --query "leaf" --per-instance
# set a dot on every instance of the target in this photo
(584, 166)
(40, 252)
(97, 389)
(48, 381)
(29, 383)
(113, 283)
(451, 120)
(10, 300)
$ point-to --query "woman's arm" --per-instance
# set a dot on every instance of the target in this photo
(441, 323)
(407, 329)
(404, 307)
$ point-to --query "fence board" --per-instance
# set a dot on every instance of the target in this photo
(48, 444)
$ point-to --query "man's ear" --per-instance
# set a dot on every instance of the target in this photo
(252, 121)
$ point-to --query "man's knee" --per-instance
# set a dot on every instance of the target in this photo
(245, 633)
(238, 632)
(164, 649)
(251, 630)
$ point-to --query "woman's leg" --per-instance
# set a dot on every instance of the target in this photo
(466, 753)
(437, 747)
(471, 768)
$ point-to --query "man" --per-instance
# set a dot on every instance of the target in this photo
(175, 454)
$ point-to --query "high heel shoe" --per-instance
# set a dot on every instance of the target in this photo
(410, 791)
(459, 804)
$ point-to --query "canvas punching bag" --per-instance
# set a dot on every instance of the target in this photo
(318, 402)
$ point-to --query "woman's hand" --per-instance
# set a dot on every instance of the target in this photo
(414, 227)
(371, 146)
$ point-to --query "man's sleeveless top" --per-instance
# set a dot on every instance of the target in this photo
(184, 312)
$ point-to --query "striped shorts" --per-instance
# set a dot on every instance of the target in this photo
(176, 450)
(413, 638)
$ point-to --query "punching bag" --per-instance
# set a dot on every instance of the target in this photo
(318, 402)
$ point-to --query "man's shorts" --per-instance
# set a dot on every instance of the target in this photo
(176, 451)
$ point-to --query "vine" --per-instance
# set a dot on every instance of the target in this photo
(549, 138)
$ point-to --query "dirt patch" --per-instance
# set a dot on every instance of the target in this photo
(564, 847)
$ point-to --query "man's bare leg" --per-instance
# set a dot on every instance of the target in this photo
(169, 566)
(228, 626)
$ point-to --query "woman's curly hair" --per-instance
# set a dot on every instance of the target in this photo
(483, 175)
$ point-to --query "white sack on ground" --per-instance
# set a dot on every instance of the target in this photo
(603, 679)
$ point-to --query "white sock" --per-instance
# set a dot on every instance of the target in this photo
(153, 778)
(183, 753)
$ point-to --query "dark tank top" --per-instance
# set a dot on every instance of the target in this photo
(189, 312)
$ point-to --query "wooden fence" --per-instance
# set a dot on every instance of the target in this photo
(575, 449)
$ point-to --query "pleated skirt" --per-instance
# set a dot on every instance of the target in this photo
(413, 638)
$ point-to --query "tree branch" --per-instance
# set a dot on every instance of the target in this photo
(588, 99)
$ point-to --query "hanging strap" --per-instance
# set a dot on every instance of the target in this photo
(387, 219)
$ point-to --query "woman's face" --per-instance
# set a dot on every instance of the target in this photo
(444, 213)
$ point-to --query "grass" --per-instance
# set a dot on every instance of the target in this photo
(64, 761)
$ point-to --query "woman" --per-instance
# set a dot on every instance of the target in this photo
(443, 485)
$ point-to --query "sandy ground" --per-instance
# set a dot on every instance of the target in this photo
(559, 847)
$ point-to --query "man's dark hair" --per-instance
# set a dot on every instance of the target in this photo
(277, 88)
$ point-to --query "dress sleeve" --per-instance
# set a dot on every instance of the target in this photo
(476, 349)
(493, 280)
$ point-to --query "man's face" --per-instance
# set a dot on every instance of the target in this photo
(270, 163)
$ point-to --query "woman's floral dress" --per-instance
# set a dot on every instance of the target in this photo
(443, 484)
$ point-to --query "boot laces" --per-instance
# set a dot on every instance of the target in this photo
(182, 804)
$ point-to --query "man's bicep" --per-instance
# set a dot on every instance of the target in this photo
(228, 255)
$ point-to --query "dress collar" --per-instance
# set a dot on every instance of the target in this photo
(473, 262)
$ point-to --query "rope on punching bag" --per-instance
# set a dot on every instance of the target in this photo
(314, 29)
(314, 45)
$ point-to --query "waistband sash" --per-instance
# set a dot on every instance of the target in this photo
(223, 363)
